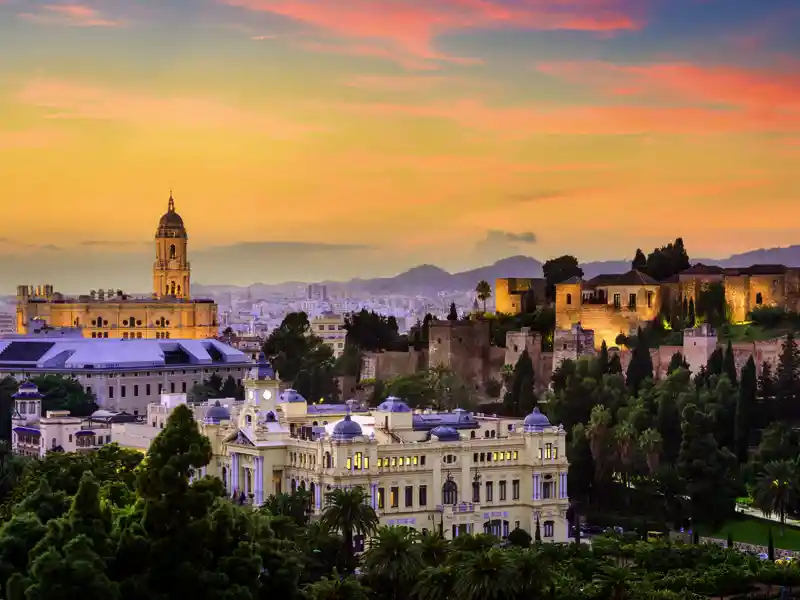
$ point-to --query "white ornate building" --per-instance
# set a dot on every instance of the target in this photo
(456, 472)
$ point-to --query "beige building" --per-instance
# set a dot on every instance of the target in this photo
(330, 327)
(456, 472)
(168, 313)
(509, 293)
(609, 305)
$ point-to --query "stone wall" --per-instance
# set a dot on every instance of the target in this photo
(385, 365)
(463, 347)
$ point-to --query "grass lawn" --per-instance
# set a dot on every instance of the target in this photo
(749, 332)
(750, 530)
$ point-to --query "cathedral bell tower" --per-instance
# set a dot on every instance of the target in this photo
(171, 270)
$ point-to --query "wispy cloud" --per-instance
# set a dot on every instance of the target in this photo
(405, 29)
(63, 99)
(74, 15)
(29, 139)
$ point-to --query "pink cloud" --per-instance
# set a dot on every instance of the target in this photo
(525, 121)
(75, 15)
(407, 28)
(68, 100)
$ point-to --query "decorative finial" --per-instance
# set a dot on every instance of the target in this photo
(171, 207)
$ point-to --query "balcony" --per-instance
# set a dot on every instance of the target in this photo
(463, 507)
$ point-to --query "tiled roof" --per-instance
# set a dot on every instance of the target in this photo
(632, 277)
(701, 269)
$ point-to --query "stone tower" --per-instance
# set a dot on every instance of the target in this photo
(171, 270)
(698, 345)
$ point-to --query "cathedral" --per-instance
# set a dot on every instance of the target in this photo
(169, 312)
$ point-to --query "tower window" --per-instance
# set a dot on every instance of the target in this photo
(569, 298)
(172, 251)
(759, 298)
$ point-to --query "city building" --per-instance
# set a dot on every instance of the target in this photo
(509, 293)
(318, 292)
(169, 313)
(330, 327)
(455, 472)
(124, 375)
(609, 305)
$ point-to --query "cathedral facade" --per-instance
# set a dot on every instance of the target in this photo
(169, 312)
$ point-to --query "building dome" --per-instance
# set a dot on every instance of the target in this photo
(393, 404)
(28, 390)
(217, 413)
(290, 395)
(445, 434)
(171, 223)
(262, 370)
(346, 429)
(535, 421)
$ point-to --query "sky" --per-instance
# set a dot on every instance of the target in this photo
(330, 139)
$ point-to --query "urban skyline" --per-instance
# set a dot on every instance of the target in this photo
(368, 139)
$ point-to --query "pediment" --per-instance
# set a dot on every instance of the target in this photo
(240, 438)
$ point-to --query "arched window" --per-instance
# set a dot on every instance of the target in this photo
(179, 290)
(54, 442)
(759, 298)
(328, 460)
(302, 485)
(173, 288)
(450, 491)
(313, 489)
(172, 251)
(472, 434)
(569, 298)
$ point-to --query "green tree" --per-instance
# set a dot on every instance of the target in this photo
(745, 409)
(557, 270)
(677, 362)
(65, 393)
(369, 331)
(729, 364)
(666, 261)
(393, 562)
(8, 387)
(602, 360)
(485, 575)
(641, 366)
(787, 381)
(483, 291)
(349, 513)
(711, 305)
(776, 489)
(336, 588)
(639, 262)
(691, 316)
(716, 363)
(521, 398)
(453, 314)
(415, 389)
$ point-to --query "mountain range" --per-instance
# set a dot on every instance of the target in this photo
(428, 280)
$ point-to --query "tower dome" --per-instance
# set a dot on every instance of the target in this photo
(535, 422)
(217, 413)
(262, 370)
(290, 395)
(28, 391)
(393, 404)
(346, 429)
(171, 223)
(445, 434)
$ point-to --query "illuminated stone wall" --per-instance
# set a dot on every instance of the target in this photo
(508, 293)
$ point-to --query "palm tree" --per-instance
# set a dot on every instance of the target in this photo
(650, 442)
(487, 575)
(531, 572)
(336, 588)
(625, 440)
(598, 432)
(776, 489)
(435, 583)
(484, 292)
(433, 549)
(393, 562)
(349, 513)
(615, 581)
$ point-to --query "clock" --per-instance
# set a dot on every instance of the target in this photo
(267, 394)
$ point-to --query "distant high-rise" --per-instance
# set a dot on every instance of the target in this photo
(317, 291)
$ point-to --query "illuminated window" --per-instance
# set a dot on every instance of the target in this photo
(617, 301)
(349, 463)
(394, 499)
(555, 452)
(394, 461)
(414, 461)
(516, 455)
(357, 461)
(495, 456)
(408, 461)
(548, 451)
(540, 454)
(380, 498)
(508, 455)
(366, 462)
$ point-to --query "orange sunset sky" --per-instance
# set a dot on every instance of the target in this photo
(311, 139)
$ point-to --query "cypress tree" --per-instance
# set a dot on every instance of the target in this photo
(453, 314)
(677, 362)
(639, 262)
(770, 547)
(788, 376)
(691, 318)
(538, 535)
(602, 360)
(729, 364)
(521, 397)
(730, 540)
(745, 409)
(715, 363)
(615, 365)
(641, 365)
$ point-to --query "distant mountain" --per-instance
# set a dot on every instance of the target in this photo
(428, 280)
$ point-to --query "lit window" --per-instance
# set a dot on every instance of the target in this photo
(357, 461)
(516, 455)
(394, 461)
(508, 455)
(349, 463)
(495, 457)
(540, 454)
(548, 451)
(555, 452)
(414, 461)
(366, 462)
(408, 461)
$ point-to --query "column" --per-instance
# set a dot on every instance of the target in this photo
(229, 477)
(259, 480)
(318, 495)
(564, 490)
(374, 496)
(235, 473)
(536, 494)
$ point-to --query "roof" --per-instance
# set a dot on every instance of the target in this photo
(632, 277)
(458, 419)
(758, 270)
(701, 269)
(97, 354)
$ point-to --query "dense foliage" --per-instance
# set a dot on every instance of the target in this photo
(113, 524)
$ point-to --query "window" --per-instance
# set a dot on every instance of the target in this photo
(515, 491)
(502, 491)
(122, 391)
(547, 490)
(450, 492)
(160, 388)
(147, 390)
(349, 463)
(617, 301)
(476, 491)
(449, 459)
(183, 387)
(632, 301)
(548, 451)
(422, 461)
(759, 298)
(489, 491)
(110, 392)
(366, 462)
(515, 455)
(171, 387)
(569, 298)
(649, 299)
(136, 390)
(381, 498)
(409, 496)
(357, 461)
(394, 499)
(548, 529)
(423, 495)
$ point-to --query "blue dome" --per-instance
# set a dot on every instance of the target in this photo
(535, 421)
(28, 390)
(290, 395)
(217, 413)
(262, 369)
(346, 429)
(393, 404)
(445, 434)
